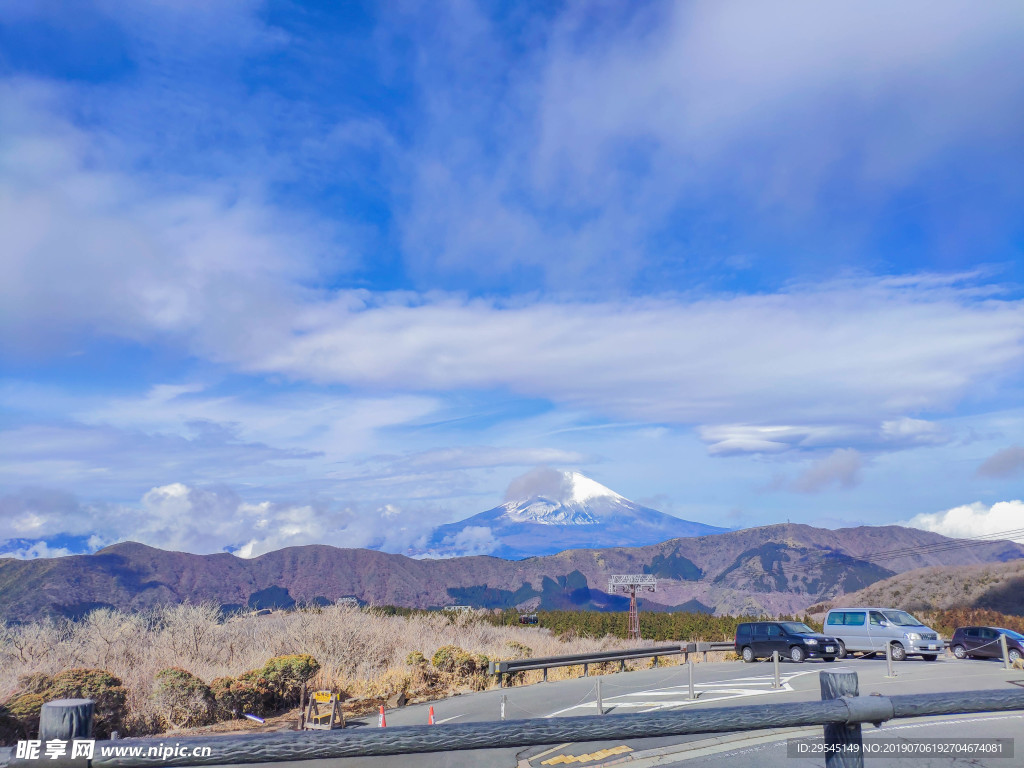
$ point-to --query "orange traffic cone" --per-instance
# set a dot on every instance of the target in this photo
(382, 721)
(430, 717)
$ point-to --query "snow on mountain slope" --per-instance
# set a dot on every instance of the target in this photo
(564, 510)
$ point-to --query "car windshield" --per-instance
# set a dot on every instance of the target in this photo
(902, 619)
(797, 628)
(1010, 633)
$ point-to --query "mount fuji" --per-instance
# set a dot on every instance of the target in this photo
(551, 511)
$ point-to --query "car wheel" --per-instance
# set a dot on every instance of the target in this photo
(828, 658)
(796, 654)
(1014, 655)
(929, 656)
(747, 653)
(959, 651)
(899, 653)
(841, 654)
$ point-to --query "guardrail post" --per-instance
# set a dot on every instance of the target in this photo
(775, 663)
(622, 665)
(888, 658)
(586, 670)
(838, 735)
(545, 674)
(1006, 654)
(689, 664)
(600, 704)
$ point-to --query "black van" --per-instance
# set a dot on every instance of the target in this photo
(794, 640)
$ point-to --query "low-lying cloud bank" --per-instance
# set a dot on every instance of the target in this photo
(973, 520)
(204, 521)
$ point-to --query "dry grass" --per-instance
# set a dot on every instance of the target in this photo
(362, 653)
(995, 586)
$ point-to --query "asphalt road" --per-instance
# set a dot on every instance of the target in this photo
(716, 685)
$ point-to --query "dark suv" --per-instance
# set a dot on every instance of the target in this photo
(792, 639)
(971, 642)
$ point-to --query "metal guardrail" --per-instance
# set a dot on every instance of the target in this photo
(841, 711)
(502, 668)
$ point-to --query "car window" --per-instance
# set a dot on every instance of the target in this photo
(743, 630)
(774, 630)
(855, 618)
(877, 618)
(989, 634)
(972, 632)
(902, 619)
(1011, 634)
(797, 628)
(835, 618)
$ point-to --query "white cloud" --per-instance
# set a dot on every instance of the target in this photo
(845, 352)
(471, 540)
(96, 251)
(625, 119)
(478, 457)
(909, 431)
(224, 277)
(841, 468)
(727, 439)
(1008, 462)
(179, 517)
(34, 550)
(973, 520)
(542, 481)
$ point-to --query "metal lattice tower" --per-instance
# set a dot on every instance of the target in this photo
(630, 583)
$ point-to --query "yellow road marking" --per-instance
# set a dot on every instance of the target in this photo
(600, 755)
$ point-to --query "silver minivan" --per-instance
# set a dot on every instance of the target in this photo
(869, 629)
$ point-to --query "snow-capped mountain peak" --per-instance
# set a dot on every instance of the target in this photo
(567, 502)
(584, 489)
(548, 512)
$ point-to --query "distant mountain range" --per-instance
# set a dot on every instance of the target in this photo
(989, 586)
(773, 569)
(571, 512)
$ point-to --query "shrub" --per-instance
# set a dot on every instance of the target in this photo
(100, 686)
(19, 717)
(34, 683)
(461, 665)
(183, 699)
(252, 687)
(519, 650)
(10, 728)
(446, 658)
(286, 674)
(234, 698)
(416, 659)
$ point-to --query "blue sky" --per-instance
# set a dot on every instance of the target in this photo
(280, 273)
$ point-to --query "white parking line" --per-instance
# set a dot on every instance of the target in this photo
(449, 719)
(718, 690)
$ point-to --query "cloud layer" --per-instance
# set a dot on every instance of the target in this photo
(204, 521)
(342, 274)
(972, 520)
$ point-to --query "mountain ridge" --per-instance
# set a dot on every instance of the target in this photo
(772, 569)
